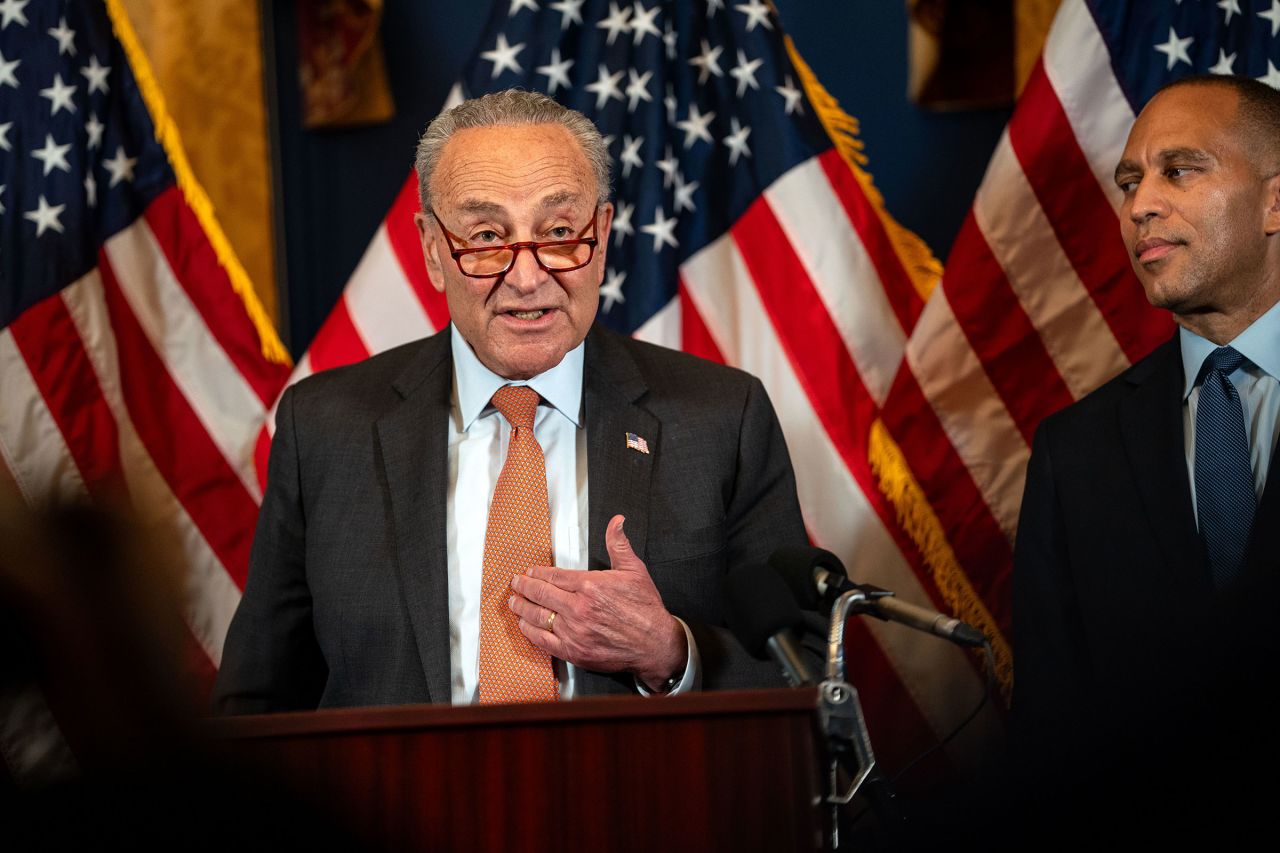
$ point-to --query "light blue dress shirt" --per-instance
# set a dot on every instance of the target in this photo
(478, 440)
(1258, 382)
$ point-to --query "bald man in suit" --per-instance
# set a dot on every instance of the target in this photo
(1147, 562)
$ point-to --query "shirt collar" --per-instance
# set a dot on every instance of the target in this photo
(561, 386)
(1260, 344)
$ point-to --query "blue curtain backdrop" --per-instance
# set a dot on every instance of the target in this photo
(336, 186)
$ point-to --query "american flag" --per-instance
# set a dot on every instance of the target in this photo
(135, 364)
(746, 231)
(1039, 304)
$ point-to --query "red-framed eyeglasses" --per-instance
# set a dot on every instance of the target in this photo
(553, 256)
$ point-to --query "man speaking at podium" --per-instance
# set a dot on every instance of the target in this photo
(429, 511)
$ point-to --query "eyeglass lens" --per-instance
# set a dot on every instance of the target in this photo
(552, 257)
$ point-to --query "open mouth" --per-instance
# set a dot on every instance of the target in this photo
(528, 315)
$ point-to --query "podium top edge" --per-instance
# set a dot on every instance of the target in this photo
(385, 718)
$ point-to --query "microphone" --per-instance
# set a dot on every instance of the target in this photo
(764, 616)
(817, 578)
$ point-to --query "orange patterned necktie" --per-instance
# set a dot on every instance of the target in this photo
(512, 669)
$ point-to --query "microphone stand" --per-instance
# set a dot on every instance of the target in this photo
(845, 728)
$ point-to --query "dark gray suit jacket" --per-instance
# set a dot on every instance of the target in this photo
(346, 602)
(1119, 636)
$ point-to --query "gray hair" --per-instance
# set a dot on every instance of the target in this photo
(510, 108)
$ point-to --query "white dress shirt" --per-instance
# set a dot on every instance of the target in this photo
(478, 439)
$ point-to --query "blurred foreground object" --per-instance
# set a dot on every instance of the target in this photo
(90, 640)
(92, 626)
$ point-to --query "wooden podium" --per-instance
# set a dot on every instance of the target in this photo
(710, 771)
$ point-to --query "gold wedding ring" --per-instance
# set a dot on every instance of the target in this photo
(551, 622)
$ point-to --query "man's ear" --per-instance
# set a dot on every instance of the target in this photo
(430, 250)
(603, 226)
(1271, 218)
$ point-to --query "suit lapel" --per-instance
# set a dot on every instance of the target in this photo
(412, 450)
(1264, 541)
(1151, 426)
(618, 476)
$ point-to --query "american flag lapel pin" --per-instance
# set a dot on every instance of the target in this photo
(635, 442)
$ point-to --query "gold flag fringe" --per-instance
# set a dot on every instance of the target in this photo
(922, 267)
(893, 474)
(917, 518)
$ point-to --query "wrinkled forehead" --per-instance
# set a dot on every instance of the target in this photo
(513, 168)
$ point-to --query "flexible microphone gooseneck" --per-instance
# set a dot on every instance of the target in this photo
(816, 578)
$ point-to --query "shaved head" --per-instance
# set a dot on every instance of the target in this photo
(1258, 114)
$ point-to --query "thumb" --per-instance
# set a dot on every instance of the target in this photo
(621, 556)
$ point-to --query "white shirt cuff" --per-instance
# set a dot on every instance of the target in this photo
(692, 678)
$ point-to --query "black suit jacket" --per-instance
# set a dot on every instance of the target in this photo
(346, 601)
(1121, 641)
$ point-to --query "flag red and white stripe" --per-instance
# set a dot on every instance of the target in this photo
(143, 383)
(1038, 307)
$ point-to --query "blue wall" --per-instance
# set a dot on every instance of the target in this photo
(337, 185)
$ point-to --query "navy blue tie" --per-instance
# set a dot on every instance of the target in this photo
(1225, 500)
